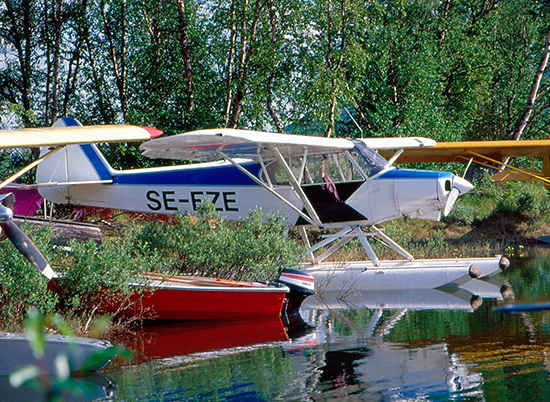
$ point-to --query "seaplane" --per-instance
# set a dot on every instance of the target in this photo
(337, 184)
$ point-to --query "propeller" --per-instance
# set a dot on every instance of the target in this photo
(19, 239)
(460, 186)
(451, 199)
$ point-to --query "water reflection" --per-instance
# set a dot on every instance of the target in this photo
(186, 338)
(439, 344)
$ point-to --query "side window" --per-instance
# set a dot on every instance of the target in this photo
(338, 167)
(277, 175)
(368, 160)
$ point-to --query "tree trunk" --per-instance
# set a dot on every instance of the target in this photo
(230, 62)
(22, 41)
(57, 23)
(524, 119)
(119, 63)
(247, 49)
(107, 114)
(186, 54)
(271, 78)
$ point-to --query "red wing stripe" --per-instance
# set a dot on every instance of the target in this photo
(153, 132)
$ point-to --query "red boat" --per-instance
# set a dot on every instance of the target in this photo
(200, 298)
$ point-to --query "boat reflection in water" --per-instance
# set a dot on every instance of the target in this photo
(181, 339)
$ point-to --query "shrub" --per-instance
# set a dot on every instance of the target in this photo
(207, 245)
(22, 286)
(255, 249)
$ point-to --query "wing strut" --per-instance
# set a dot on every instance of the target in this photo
(348, 233)
(296, 186)
(29, 167)
(529, 175)
(280, 197)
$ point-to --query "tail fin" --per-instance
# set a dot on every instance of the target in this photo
(71, 165)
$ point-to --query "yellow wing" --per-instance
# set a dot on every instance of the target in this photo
(55, 136)
(461, 151)
(484, 152)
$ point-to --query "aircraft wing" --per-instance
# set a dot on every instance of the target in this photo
(464, 151)
(484, 152)
(206, 145)
(395, 144)
(52, 136)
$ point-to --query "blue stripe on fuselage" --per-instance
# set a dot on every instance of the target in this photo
(70, 122)
(181, 175)
(178, 175)
(414, 174)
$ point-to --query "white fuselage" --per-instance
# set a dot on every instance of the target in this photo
(80, 175)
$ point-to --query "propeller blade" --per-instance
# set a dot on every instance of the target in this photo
(21, 241)
(451, 199)
(460, 186)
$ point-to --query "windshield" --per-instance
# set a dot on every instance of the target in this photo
(369, 160)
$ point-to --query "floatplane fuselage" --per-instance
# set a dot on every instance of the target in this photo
(314, 182)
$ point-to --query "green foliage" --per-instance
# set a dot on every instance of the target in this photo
(254, 249)
(92, 274)
(21, 285)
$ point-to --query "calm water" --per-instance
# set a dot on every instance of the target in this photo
(406, 346)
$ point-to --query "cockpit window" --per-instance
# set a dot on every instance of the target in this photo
(318, 169)
(370, 161)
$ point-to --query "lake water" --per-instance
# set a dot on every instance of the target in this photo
(404, 346)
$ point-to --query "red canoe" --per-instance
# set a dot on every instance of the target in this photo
(199, 298)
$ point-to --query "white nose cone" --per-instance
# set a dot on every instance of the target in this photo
(460, 186)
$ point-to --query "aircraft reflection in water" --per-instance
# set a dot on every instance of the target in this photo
(366, 363)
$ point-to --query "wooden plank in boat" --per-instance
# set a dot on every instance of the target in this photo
(199, 280)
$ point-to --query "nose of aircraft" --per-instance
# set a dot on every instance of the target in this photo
(459, 186)
(462, 185)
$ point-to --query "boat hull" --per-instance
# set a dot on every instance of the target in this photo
(17, 353)
(173, 301)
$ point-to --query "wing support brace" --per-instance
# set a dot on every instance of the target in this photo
(530, 176)
(396, 155)
(29, 167)
(259, 182)
(345, 235)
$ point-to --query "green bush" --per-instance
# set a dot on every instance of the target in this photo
(207, 245)
(90, 274)
(22, 286)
